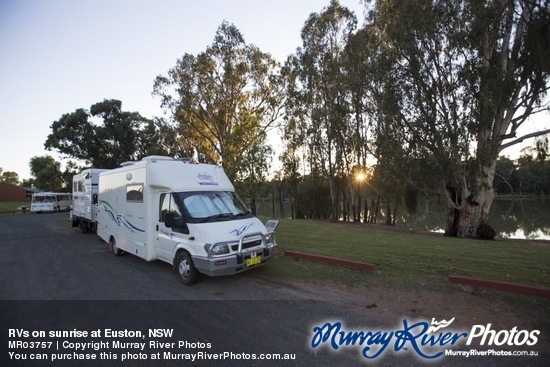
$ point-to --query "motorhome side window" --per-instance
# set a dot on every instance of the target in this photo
(169, 205)
(134, 193)
(78, 186)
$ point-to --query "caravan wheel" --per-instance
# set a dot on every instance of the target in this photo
(113, 247)
(186, 269)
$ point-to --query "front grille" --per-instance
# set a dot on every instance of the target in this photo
(247, 245)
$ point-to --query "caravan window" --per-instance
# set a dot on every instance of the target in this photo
(134, 193)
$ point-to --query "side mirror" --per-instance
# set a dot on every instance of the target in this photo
(271, 225)
(169, 220)
(177, 224)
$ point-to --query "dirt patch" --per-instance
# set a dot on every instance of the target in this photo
(390, 306)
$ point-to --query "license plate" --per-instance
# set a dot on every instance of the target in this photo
(253, 261)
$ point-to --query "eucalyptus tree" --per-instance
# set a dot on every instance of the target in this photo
(363, 84)
(252, 173)
(532, 174)
(356, 58)
(291, 157)
(375, 90)
(121, 135)
(9, 176)
(223, 99)
(466, 76)
(320, 101)
(47, 173)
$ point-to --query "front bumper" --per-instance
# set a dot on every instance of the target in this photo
(233, 264)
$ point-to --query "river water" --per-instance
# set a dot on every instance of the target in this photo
(510, 218)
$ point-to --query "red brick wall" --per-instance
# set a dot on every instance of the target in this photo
(9, 192)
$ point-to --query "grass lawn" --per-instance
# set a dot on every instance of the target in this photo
(8, 207)
(401, 256)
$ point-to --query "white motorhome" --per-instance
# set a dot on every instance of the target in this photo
(85, 191)
(50, 202)
(184, 213)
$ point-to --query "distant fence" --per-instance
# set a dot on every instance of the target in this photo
(14, 212)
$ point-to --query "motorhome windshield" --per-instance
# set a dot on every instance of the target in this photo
(211, 206)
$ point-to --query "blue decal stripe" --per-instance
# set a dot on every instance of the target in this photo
(118, 218)
(237, 232)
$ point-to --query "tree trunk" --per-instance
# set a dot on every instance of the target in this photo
(281, 203)
(472, 216)
(376, 210)
(333, 200)
(468, 213)
(365, 209)
(453, 215)
(355, 203)
(388, 213)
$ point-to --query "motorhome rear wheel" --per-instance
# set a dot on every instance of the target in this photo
(114, 249)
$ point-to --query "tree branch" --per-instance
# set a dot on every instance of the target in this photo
(520, 139)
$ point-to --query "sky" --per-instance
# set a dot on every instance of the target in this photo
(60, 55)
(57, 56)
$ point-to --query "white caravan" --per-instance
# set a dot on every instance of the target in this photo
(50, 202)
(184, 213)
(85, 191)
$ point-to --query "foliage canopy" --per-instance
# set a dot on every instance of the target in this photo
(120, 136)
(224, 99)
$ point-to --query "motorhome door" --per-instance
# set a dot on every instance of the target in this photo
(170, 228)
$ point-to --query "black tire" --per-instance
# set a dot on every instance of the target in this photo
(187, 273)
(83, 227)
(113, 247)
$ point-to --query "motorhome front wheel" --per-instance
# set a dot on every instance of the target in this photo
(186, 269)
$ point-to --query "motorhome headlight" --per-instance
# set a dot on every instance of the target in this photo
(217, 249)
(270, 239)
